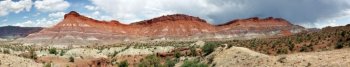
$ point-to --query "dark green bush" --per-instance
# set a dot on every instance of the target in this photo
(6, 51)
(124, 64)
(177, 54)
(53, 51)
(339, 45)
(71, 59)
(62, 53)
(209, 47)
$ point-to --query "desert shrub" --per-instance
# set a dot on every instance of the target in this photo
(282, 51)
(142, 64)
(290, 45)
(298, 39)
(193, 51)
(62, 53)
(169, 63)
(32, 54)
(47, 65)
(150, 61)
(71, 59)
(305, 49)
(53, 51)
(193, 63)
(114, 53)
(209, 47)
(253, 43)
(339, 45)
(123, 64)
(229, 46)
(6, 51)
(342, 33)
(177, 54)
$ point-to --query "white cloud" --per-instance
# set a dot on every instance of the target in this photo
(26, 23)
(331, 23)
(135, 10)
(8, 6)
(96, 13)
(25, 17)
(52, 19)
(43, 22)
(57, 14)
(98, 16)
(89, 7)
(37, 14)
(296, 11)
(51, 5)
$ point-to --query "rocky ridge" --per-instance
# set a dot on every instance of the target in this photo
(75, 28)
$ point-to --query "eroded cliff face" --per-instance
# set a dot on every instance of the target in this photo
(75, 28)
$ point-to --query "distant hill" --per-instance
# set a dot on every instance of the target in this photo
(13, 32)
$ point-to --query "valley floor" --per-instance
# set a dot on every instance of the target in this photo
(221, 57)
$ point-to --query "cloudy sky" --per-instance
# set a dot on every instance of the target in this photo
(45, 13)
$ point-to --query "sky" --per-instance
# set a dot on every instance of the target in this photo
(46, 13)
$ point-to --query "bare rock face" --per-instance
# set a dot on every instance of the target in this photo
(75, 28)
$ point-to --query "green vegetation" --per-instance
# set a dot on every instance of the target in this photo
(282, 51)
(169, 63)
(62, 53)
(177, 54)
(53, 51)
(339, 45)
(193, 51)
(123, 64)
(154, 61)
(150, 61)
(71, 59)
(32, 54)
(6, 51)
(305, 49)
(47, 64)
(114, 53)
(193, 63)
(329, 38)
(209, 47)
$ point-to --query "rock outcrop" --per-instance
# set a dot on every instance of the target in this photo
(75, 28)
